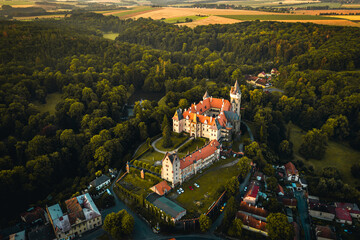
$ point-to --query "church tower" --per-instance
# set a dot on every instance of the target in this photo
(235, 98)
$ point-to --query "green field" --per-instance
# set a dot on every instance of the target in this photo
(337, 155)
(110, 36)
(136, 184)
(276, 17)
(195, 144)
(132, 11)
(151, 157)
(176, 140)
(183, 19)
(16, 2)
(51, 100)
(199, 200)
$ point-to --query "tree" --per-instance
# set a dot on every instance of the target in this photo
(166, 140)
(278, 227)
(314, 144)
(355, 170)
(205, 223)
(336, 127)
(143, 131)
(244, 166)
(232, 186)
(119, 224)
(272, 184)
(252, 150)
(285, 149)
(269, 170)
(236, 228)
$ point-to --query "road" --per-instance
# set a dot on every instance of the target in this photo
(304, 214)
(164, 152)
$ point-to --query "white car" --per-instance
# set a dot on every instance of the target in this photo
(178, 191)
(181, 190)
(196, 185)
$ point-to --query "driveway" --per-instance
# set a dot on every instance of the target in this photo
(304, 214)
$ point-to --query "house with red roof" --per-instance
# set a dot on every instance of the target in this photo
(324, 233)
(252, 224)
(352, 208)
(292, 174)
(343, 216)
(177, 171)
(257, 212)
(161, 188)
(290, 202)
(280, 190)
(320, 210)
(252, 194)
(212, 118)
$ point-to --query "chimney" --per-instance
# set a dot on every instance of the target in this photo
(210, 119)
(197, 112)
(195, 107)
(201, 102)
(211, 99)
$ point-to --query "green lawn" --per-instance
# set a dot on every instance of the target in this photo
(276, 17)
(337, 155)
(132, 11)
(199, 200)
(176, 140)
(196, 143)
(110, 36)
(141, 149)
(135, 184)
(183, 19)
(51, 101)
(151, 157)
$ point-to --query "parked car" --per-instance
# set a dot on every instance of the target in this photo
(181, 190)
(191, 188)
(222, 208)
(178, 191)
(196, 185)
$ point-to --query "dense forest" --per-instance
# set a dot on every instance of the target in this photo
(45, 158)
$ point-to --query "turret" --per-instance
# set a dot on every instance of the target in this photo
(235, 98)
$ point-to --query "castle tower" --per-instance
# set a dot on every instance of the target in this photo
(235, 98)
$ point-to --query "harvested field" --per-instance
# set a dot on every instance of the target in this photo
(277, 17)
(41, 16)
(132, 12)
(170, 12)
(210, 20)
(348, 17)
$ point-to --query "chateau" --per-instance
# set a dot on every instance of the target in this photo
(212, 118)
(177, 170)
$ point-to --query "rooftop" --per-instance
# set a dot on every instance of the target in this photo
(324, 232)
(161, 188)
(291, 169)
(253, 190)
(201, 153)
(343, 214)
(168, 206)
(251, 221)
(253, 209)
(55, 211)
(100, 180)
(18, 236)
(44, 232)
(33, 215)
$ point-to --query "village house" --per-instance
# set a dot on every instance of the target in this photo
(254, 211)
(100, 182)
(18, 236)
(252, 194)
(82, 215)
(290, 202)
(34, 216)
(274, 71)
(177, 171)
(211, 118)
(320, 210)
(161, 188)
(252, 224)
(352, 208)
(324, 233)
(292, 174)
(343, 216)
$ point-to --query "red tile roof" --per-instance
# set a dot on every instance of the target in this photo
(196, 111)
(161, 188)
(253, 209)
(291, 169)
(202, 153)
(290, 202)
(343, 214)
(253, 190)
(251, 221)
(33, 215)
(75, 211)
(324, 232)
(280, 189)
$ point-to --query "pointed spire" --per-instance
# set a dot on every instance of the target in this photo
(236, 87)
(206, 95)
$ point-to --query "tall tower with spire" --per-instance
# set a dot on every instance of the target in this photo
(235, 98)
